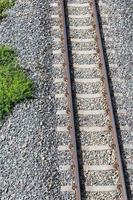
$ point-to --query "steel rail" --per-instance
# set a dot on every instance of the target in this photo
(109, 101)
(70, 110)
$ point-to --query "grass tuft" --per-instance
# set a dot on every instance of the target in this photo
(14, 84)
(5, 4)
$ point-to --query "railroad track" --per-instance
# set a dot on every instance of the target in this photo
(90, 161)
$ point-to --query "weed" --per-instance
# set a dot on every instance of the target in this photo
(14, 84)
(5, 4)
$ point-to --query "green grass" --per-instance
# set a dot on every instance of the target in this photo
(14, 84)
(5, 4)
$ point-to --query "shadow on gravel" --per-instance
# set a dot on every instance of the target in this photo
(79, 147)
(114, 104)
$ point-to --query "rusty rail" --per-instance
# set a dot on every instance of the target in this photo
(122, 185)
(70, 111)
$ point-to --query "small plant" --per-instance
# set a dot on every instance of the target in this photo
(5, 4)
(14, 84)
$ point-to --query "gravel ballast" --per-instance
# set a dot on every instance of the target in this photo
(28, 142)
(29, 155)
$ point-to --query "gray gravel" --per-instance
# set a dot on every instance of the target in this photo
(90, 104)
(58, 59)
(65, 158)
(102, 195)
(83, 59)
(82, 34)
(98, 157)
(66, 177)
(83, 46)
(64, 138)
(78, 11)
(86, 73)
(28, 142)
(101, 177)
(94, 120)
(96, 138)
(56, 32)
(81, 22)
(88, 88)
